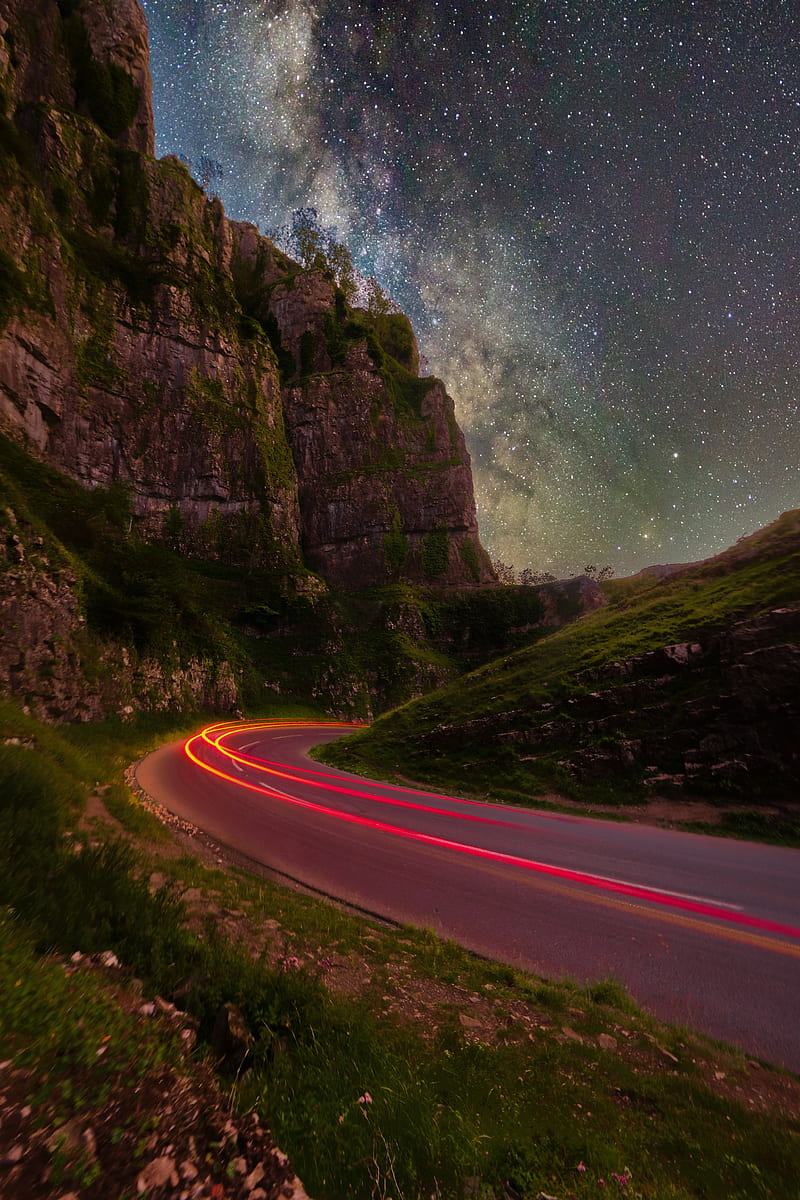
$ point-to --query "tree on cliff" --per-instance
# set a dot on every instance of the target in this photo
(505, 573)
(593, 573)
(340, 261)
(375, 300)
(317, 248)
(529, 578)
(304, 238)
(205, 171)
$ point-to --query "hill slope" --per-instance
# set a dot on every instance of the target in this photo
(691, 682)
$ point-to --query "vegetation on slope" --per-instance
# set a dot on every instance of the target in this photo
(449, 738)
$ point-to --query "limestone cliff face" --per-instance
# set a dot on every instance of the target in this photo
(124, 357)
(51, 661)
(366, 465)
(149, 341)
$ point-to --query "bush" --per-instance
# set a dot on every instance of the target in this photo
(396, 337)
(469, 556)
(435, 553)
(36, 799)
(395, 547)
(13, 288)
(307, 347)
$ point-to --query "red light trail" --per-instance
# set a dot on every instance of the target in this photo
(214, 738)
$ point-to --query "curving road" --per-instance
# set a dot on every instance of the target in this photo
(703, 931)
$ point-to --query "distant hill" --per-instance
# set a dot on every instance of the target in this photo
(661, 572)
(688, 684)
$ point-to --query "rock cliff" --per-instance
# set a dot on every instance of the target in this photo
(146, 340)
(52, 660)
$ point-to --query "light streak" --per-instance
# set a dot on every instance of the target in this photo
(214, 735)
(322, 779)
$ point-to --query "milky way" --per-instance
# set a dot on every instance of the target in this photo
(590, 211)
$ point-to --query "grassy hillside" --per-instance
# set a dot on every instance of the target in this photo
(484, 732)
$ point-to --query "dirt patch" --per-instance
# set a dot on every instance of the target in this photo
(666, 811)
(169, 1134)
(670, 812)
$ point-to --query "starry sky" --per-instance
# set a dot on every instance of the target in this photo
(590, 210)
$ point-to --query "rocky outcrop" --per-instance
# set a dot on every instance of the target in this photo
(196, 1145)
(384, 493)
(61, 672)
(231, 1040)
(720, 714)
(148, 341)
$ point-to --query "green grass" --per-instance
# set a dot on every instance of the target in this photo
(444, 1109)
(445, 738)
(453, 1110)
(40, 1006)
(773, 828)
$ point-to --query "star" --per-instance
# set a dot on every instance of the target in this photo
(590, 213)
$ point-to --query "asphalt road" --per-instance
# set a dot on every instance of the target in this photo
(703, 931)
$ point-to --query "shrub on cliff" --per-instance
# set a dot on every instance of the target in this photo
(435, 553)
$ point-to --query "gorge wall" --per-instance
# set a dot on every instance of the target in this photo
(240, 451)
(149, 341)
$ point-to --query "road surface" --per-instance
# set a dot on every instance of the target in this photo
(703, 931)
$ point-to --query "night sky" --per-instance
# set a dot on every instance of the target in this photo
(590, 211)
